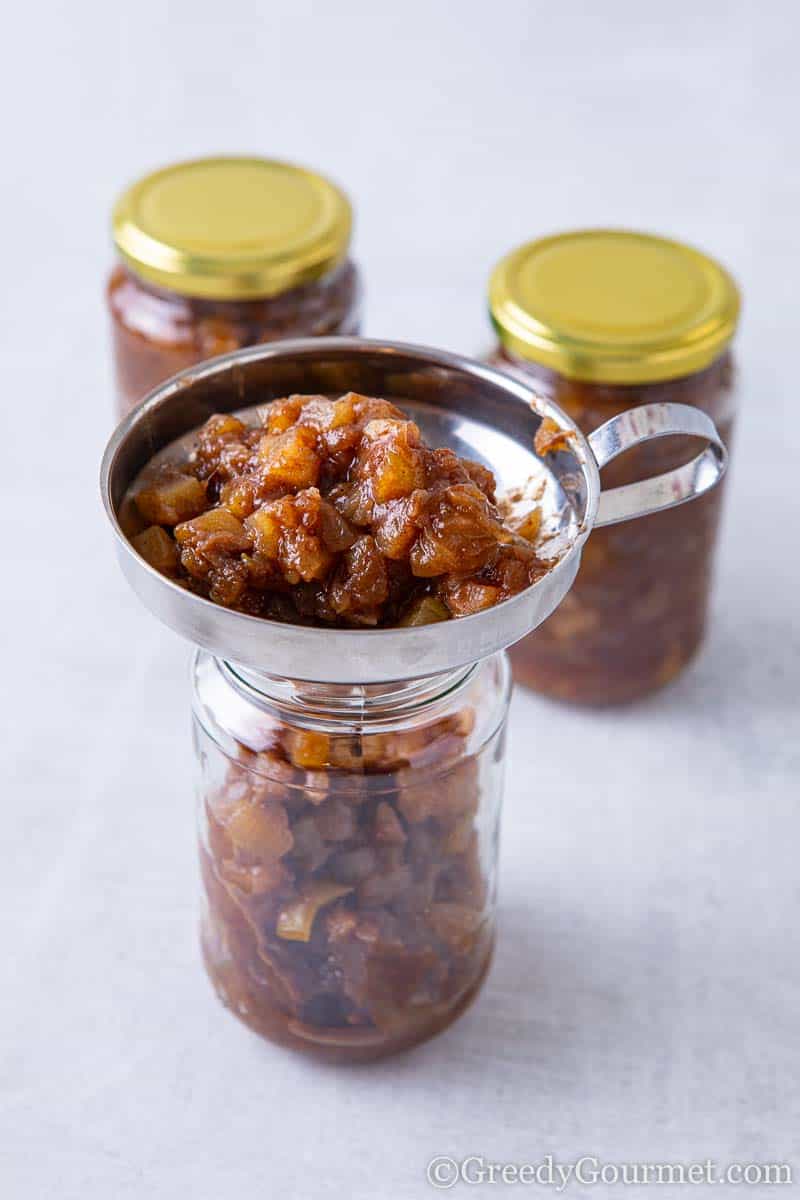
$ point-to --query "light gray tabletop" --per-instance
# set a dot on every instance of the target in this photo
(644, 1001)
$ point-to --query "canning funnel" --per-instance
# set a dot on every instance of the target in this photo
(480, 413)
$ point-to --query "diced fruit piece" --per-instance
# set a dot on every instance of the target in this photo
(448, 795)
(228, 582)
(343, 411)
(481, 476)
(238, 495)
(281, 414)
(362, 583)
(317, 411)
(223, 425)
(214, 532)
(266, 530)
(466, 596)
(308, 748)
(290, 459)
(222, 449)
(398, 523)
(352, 866)
(336, 533)
(381, 889)
(425, 611)
(257, 880)
(456, 925)
(301, 533)
(157, 548)
(461, 535)
(309, 851)
(172, 499)
(459, 836)
(303, 556)
(392, 462)
(388, 826)
(336, 821)
(130, 519)
(260, 829)
(296, 919)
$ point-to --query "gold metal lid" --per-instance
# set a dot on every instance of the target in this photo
(613, 306)
(232, 228)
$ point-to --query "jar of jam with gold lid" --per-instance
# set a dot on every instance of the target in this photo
(603, 321)
(219, 253)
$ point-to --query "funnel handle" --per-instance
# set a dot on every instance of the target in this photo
(645, 424)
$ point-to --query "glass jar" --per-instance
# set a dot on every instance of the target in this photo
(602, 322)
(348, 844)
(221, 253)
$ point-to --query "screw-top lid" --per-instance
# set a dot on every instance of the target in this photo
(613, 306)
(232, 228)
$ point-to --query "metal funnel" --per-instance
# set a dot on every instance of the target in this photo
(479, 412)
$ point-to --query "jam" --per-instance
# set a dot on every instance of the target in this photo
(332, 512)
(349, 875)
(157, 333)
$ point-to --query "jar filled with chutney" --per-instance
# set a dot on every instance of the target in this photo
(220, 253)
(602, 322)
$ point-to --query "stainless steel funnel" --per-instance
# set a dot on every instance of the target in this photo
(480, 413)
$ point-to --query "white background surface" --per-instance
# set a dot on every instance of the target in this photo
(645, 996)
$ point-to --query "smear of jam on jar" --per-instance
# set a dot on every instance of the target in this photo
(332, 512)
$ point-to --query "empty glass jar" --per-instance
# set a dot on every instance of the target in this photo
(348, 842)
(602, 322)
(220, 253)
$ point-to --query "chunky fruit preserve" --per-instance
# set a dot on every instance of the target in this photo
(349, 868)
(157, 333)
(334, 512)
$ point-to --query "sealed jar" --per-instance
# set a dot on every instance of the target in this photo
(602, 322)
(348, 846)
(220, 253)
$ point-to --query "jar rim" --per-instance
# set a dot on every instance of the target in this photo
(214, 684)
(378, 705)
(232, 227)
(613, 306)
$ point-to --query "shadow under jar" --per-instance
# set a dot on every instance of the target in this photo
(221, 253)
(601, 322)
(348, 846)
